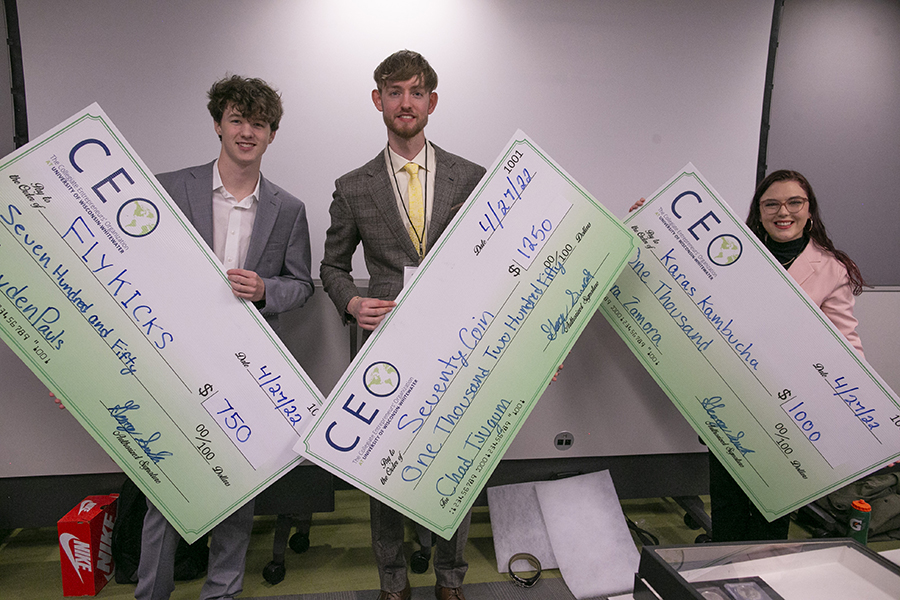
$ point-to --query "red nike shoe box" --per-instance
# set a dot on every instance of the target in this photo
(85, 555)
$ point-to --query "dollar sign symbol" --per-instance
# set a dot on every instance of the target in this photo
(206, 389)
(784, 395)
(514, 270)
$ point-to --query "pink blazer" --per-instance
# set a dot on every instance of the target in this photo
(824, 278)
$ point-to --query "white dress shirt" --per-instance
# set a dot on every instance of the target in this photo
(232, 222)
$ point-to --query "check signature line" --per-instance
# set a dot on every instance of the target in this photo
(743, 456)
(723, 381)
(157, 465)
(580, 294)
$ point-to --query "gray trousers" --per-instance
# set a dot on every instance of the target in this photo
(228, 545)
(387, 541)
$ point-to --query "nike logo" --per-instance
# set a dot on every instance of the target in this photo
(78, 553)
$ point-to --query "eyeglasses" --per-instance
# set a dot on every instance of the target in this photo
(793, 205)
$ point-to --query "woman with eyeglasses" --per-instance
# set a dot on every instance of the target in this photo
(784, 214)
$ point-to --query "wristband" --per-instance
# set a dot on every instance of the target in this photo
(523, 581)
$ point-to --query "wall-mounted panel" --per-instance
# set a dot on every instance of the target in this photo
(835, 117)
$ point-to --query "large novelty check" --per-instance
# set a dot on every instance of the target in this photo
(116, 303)
(772, 387)
(424, 413)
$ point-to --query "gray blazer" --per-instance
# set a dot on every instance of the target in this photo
(364, 209)
(279, 243)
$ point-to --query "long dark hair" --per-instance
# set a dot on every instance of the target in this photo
(814, 227)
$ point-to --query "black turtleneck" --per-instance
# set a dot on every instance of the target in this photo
(786, 252)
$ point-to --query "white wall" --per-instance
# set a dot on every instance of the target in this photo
(836, 119)
(622, 93)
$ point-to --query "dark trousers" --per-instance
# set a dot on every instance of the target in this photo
(734, 516)
(387, 541)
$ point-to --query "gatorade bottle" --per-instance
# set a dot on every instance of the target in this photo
(860, 513)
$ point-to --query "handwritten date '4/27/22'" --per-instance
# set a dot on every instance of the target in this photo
(498, 209)
(268, 381)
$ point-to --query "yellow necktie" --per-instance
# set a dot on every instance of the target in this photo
(416, 208)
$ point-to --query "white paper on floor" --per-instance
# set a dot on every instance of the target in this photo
(518, 526)
(589, 539)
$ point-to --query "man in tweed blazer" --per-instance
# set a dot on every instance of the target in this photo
(371, 206)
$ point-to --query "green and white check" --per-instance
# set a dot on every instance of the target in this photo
(768, 382)
(192, 394)
(494, 309)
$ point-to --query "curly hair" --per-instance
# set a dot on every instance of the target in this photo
(815, 228)
(404, 65)
(252, 98)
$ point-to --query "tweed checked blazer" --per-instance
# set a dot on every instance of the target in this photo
(279, 249)
(364, 209)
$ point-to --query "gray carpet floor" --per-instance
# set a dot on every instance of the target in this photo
(545, 589)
